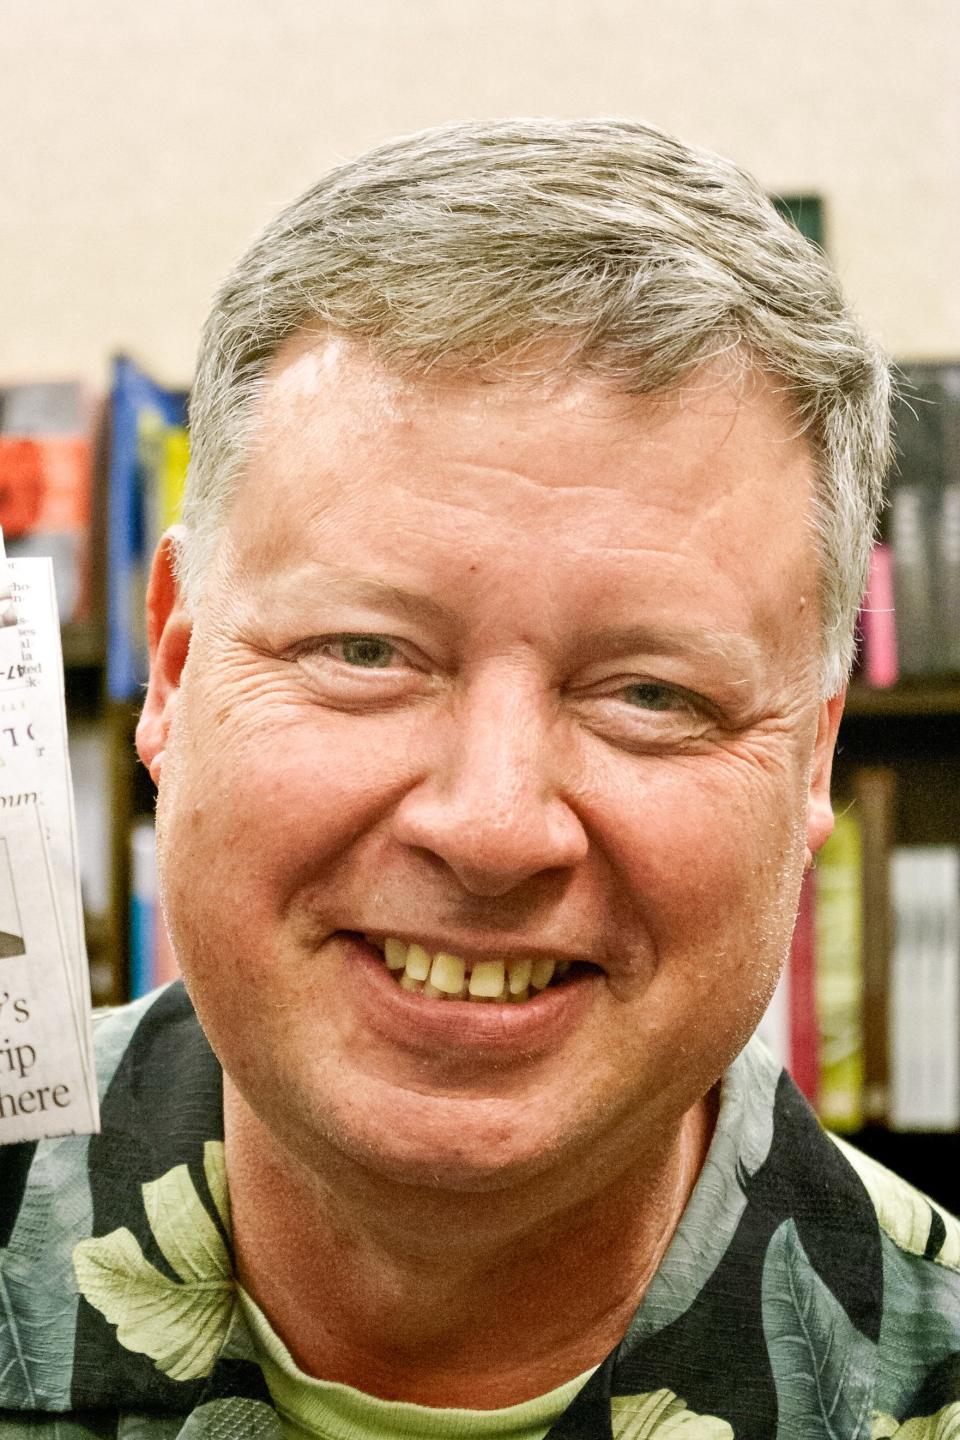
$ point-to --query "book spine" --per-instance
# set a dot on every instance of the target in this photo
(125, 558)
(839, 975)
(874, 790)
(878, 622)
(925, 989)
(913, 574)
(948, 576)
(46, 474)
(804, 1044)
(943, 1015)
(141, 412)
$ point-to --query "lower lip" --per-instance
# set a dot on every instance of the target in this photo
(424, 1023)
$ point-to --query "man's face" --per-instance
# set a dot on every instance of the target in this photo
(512, 673)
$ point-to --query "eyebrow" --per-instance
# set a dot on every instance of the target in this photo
(368, 589)
(709, 644)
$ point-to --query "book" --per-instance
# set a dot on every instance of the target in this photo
(878, 628)
(874, 791)
(147, 464)
(947, 526)
(948, 575)
(839, 975)
(804, 1036)
(910, 539)
(925, 988)
(46, 482)
(827, 1022)
(924, 520)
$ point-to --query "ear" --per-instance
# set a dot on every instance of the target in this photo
(168, 637)
(819, 807)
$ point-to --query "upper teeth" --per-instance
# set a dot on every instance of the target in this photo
(443, 975)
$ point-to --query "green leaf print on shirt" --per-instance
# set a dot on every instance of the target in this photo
(945, 1425)
(179, 1325)
(822, 1365)
(660, 1413)
(902, 1212)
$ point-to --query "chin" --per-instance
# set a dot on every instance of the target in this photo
(475, 1146)
(443, 1172)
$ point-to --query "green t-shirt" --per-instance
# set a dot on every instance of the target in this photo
(322, 1410)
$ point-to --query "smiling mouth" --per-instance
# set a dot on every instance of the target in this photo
(444, 976)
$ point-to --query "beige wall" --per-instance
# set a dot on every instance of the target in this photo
(143, 141)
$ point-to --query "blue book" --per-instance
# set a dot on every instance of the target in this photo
(137, 406)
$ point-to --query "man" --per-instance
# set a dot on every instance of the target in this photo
(496, 675)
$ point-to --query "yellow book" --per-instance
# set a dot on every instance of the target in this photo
(839, 975)
(172, 475)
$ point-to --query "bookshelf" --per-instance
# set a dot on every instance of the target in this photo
(911, 732)
(911, 700)
(918, 736)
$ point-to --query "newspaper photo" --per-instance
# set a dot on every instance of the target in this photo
(47, 1082)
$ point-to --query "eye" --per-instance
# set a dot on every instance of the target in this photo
(359, 670)
(643, 714)
(366, 652)
(648, 695)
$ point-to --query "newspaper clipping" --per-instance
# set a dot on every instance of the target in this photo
(47, 1082)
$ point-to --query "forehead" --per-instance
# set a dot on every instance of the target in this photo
(318, 377)
(717, 462)
(332, 396)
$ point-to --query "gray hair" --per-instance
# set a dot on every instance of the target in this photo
(638, 257)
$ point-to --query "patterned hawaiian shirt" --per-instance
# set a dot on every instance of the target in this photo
(806, 1293)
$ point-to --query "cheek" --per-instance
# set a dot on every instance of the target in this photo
(277, 788)
(710, 854)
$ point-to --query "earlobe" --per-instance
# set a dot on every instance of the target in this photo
(819, 806)
(169, 628)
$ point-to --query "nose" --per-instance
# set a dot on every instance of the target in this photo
(490, 804)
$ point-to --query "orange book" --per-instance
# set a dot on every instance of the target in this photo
(46, 475)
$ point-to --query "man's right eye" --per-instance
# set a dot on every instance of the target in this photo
(358, 663)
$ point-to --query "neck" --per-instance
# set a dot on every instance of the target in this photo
(449, 1299)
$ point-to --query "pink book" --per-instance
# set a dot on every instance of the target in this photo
(878, 622)
(804, 1039)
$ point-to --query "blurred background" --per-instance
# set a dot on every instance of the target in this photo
(144, 144)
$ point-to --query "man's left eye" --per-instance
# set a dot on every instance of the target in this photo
(368, 652)
(647, 695)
